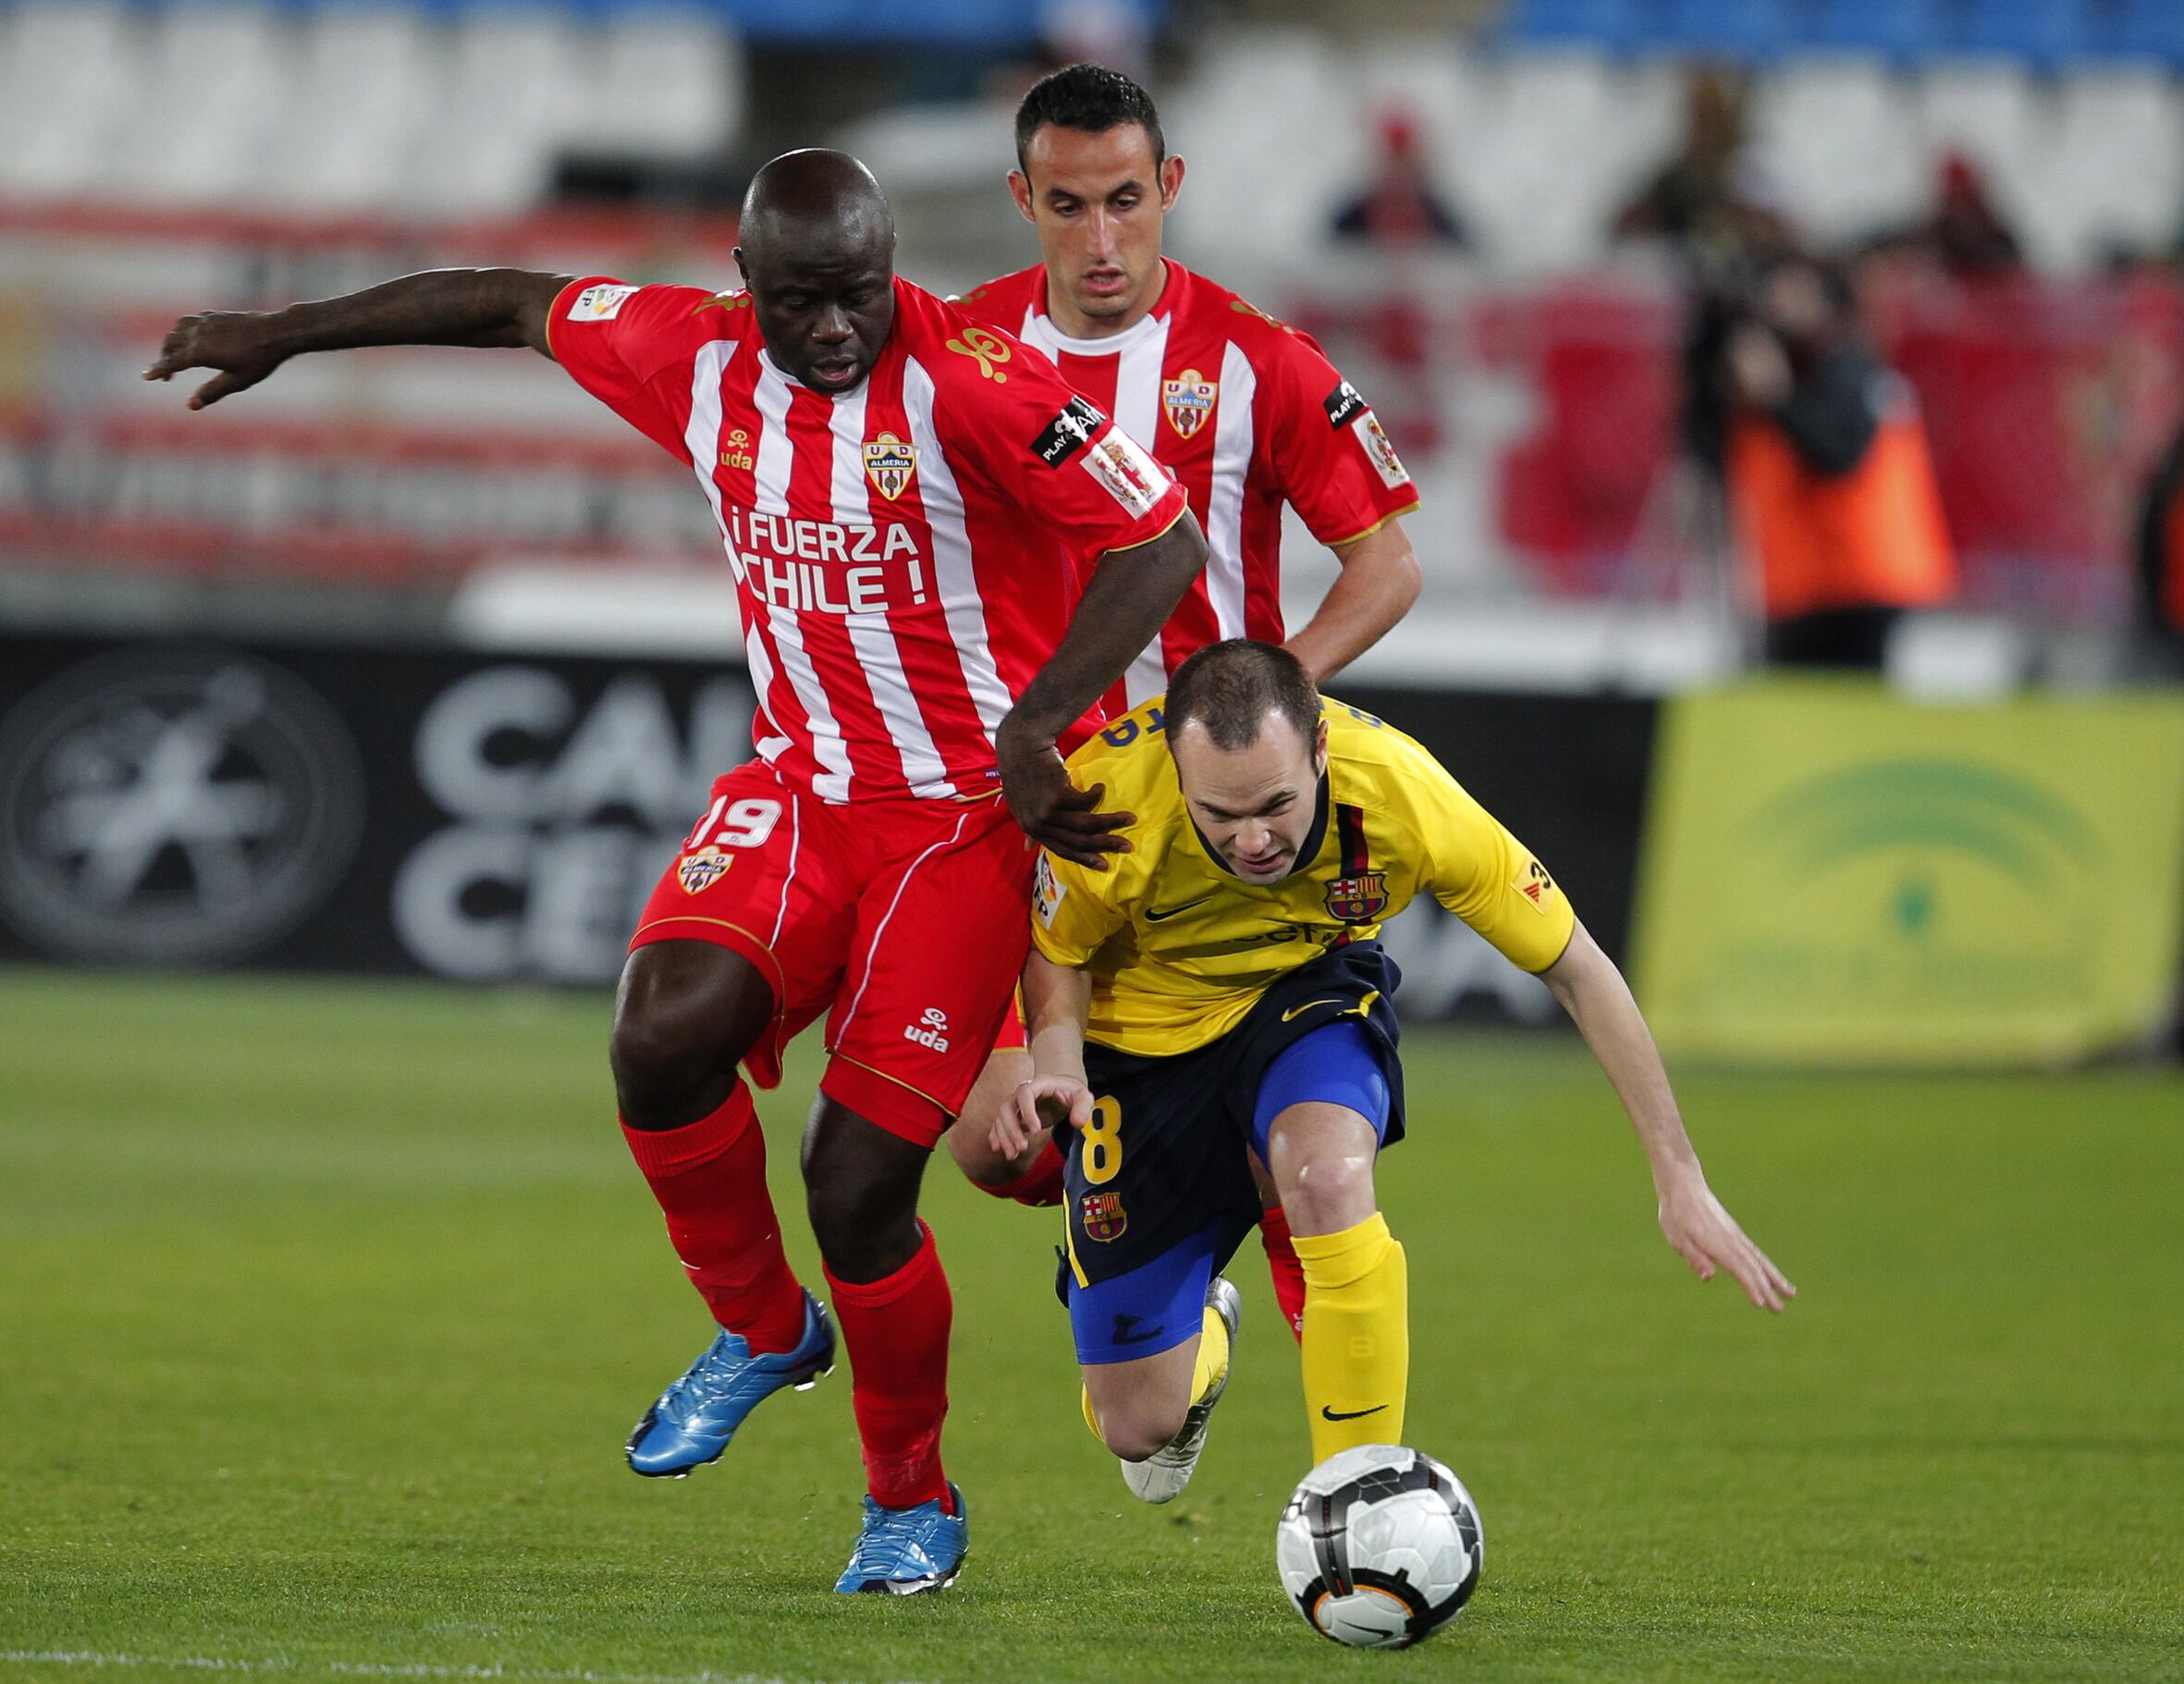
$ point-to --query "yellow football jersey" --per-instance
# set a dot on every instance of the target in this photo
(1180, 946)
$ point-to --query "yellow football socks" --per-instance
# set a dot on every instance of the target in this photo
(1212, 1362)
(1357, 1336)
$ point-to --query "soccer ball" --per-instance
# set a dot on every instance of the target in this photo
(1379, 1546)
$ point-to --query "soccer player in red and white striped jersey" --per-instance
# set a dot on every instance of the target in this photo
(915, 506)
(1246, 412)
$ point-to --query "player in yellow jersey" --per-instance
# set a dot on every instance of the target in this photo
(1218, 991)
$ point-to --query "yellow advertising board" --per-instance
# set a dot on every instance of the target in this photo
(1834, 875)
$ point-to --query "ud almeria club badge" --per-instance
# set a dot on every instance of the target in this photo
(1189, 400)
(890, 462)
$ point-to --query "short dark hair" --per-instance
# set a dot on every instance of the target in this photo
(1091, 99)
(1230, 687)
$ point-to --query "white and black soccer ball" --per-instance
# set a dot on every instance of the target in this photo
(1379, 1547)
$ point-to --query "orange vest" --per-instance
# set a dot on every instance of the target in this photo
(1873, 538)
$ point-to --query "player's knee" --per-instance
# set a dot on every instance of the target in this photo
(1137, 1430)
(1329, 1193)
(861, 1193)
(682, 1021)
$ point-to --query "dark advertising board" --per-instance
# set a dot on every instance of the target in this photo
(498, 817)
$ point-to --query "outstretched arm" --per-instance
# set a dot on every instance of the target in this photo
(1378, 581)
(475, 307)
(1593, 991)
(1129, 599)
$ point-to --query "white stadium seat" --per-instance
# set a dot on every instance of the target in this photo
(72, 75)
(216, 80)
(1841, 138)
(665, 82)
(368, 79)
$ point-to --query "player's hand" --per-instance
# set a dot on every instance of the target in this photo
(1052, 810)
(1709, 1238)
(1035, 1107)
(239, 343)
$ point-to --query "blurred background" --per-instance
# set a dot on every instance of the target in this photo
(419, 661)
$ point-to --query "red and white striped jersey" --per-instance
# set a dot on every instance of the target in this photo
(1249, 414)
(907, 553)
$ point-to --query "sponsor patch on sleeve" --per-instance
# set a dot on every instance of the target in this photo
(1534, 884)
(600, 303)
(1344, 405)
(1045, 893)
(1380, 450)
(1068, 433)
(1131, 478)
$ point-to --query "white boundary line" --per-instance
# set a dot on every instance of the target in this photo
(371, 1669)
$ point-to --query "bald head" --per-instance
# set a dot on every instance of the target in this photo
(816, 202)
(818, 252)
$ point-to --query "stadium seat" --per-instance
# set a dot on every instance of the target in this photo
(2150, 29)
(664, 81)
(1753, 32)
(1901, 30)
(1616, 25)
(368, 76)
(74, 72)
(2041, 32)
(215, 79)
(516, 88)
(1840, 137)
(2117, 177)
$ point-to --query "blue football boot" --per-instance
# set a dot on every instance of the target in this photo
(905, 1551)
(693, 1419)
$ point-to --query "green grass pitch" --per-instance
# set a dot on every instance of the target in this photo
(325, 1309)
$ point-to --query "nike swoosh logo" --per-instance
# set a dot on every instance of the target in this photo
(1152, 917)
(1350, 1414)
(1307, 1007)
(1124, 1336)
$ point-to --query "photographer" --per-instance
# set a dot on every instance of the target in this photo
(1829, 478)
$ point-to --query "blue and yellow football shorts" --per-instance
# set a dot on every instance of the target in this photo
(1159, 1190)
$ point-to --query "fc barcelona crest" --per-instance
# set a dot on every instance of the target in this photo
(888, 463)
(1360, 899)
(701, 870)
(1188, 399)
(1104, 1217)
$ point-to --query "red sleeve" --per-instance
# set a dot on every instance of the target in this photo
(631, 347)
(1049, 453)
(1334, 464)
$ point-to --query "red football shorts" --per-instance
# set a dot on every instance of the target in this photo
(906, 922)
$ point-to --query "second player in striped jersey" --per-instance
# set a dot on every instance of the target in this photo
(1245, 412)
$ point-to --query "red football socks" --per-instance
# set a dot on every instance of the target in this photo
(896, 1329)
(1283, 1264)
(709, 1178)
(1040, 1185)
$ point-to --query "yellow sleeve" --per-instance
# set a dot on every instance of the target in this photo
(1071, 914)
(1486, 877)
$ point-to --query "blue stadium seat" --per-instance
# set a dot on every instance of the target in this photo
(1617, 25)
(1754, 31)
(2150, 28)
(2042, 33)
(1897, 30)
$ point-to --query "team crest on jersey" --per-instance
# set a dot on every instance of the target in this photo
(1360, 899)
(1103, 1216)
(1377, 445)
(699, 871)
(1189, 400)
(1535, 885)
(737, 453)
(888, 463)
